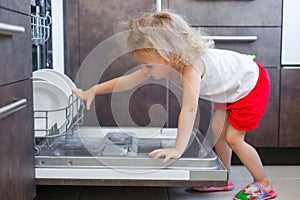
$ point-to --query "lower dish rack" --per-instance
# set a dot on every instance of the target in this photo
(51, 135)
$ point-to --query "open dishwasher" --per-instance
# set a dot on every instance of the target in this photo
(118, 156)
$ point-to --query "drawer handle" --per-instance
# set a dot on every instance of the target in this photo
(12, 108)
(232, 38)
(291, 67)
(8, 29)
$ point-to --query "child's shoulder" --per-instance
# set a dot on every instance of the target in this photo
(222, 53)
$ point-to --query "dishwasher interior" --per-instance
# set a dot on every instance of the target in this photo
(118, 156)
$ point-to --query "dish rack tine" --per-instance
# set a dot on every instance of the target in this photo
(40, 28)
(54, 132)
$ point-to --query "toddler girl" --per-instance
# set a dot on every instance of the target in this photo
(167, 47)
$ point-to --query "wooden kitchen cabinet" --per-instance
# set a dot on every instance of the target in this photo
(90, 22)
(22, 6)
(261, 20)
(266, 46)
(250, 27)
(266, 135)
(17, 179)
(289, 108)
(229, 13)
(15, 48)
(17, 175)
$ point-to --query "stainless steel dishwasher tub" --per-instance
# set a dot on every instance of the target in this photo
(118, 156)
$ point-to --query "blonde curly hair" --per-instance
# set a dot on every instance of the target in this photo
(170, 35)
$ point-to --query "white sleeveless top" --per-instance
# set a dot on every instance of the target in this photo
(229, 76)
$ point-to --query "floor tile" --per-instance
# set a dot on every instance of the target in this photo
(286, 188)
(186, 193)
(284, 180)
(239, 172)
(283, 171)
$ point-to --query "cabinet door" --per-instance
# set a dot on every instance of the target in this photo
(264, 42)
(17, 180)
(15, 45)
(22, 6)
(290, 108)
(229, 13)
(266, 135)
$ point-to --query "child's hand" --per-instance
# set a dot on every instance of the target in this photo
(166, 153)
(87, 96)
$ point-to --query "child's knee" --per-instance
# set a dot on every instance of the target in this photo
(234, 137)
(231, 141)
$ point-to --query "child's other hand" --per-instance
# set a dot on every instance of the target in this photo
(166, 153)
(87, 96)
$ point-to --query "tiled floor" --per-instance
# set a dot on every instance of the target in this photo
(285, 180)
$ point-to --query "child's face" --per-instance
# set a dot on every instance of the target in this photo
(153, 64)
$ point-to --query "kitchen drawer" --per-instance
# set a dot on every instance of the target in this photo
(15, 45)
(22, 6)
(229, 13)
(289, 107)
(264, 42)
(16, 141)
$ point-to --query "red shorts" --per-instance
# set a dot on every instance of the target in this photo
(246, 113)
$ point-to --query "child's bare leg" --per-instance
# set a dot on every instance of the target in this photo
(248, 156)
(219, 127)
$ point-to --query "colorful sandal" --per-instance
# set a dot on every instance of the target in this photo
(254, 191)
(214, 188)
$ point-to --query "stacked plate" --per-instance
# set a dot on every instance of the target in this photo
(52, 102)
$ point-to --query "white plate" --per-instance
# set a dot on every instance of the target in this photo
(63, 76)
(47, 96)
(61, 80)
(53, 78)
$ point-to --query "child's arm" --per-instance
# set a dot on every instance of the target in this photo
(118, 84)
(191, 90)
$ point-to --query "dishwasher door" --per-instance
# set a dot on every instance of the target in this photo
(118, 156)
